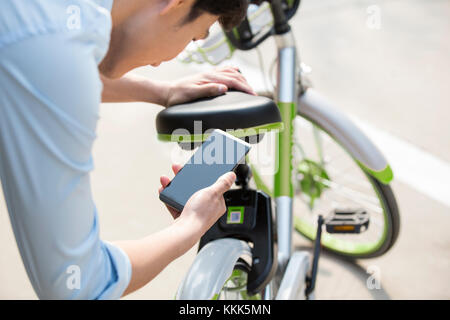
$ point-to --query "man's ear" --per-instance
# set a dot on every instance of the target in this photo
(171, 4)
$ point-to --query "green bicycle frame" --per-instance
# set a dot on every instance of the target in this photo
(286, 98)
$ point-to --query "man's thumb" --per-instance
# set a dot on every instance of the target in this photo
(224, 183)
(212, 90)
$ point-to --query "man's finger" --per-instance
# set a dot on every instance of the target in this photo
(176, 168)
(224, 183)
(214, 89)
(237, 74)
(164, 181)
(232, 82)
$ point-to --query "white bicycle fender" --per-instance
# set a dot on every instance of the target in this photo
(316, 108)
(211, 269)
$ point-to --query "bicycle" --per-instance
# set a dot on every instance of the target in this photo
(238, 259)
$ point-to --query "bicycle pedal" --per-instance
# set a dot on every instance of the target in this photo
(347, 221)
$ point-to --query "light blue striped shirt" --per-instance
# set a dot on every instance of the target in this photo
(50, 92)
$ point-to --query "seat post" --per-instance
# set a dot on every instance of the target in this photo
(243, 175)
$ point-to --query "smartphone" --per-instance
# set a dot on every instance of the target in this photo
(218, 154)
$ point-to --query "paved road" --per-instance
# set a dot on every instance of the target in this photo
(396, 78)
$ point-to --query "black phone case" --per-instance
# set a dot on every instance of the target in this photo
(180, 189)
(172, 203)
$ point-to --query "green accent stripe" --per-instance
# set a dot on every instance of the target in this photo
(215, 297)
(384, 176)
(238, 133)
(283, 177)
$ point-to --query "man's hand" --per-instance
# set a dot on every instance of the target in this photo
(207, 84)
(205, 206)
(150, 255)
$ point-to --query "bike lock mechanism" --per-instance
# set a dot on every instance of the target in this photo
(248, 218)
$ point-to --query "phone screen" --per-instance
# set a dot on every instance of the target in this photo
(219, 154)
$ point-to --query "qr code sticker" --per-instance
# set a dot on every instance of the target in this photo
(235, 217)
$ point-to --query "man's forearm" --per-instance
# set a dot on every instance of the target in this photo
(150, 255)
(134, 88)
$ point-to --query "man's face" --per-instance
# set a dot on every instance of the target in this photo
(152, 35)
(173, 40)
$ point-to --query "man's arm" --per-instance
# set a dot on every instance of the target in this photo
(135, 88)
(149, 256)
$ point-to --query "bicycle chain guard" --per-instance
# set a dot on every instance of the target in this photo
(248, 218)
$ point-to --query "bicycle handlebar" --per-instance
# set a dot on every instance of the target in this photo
(243, 38)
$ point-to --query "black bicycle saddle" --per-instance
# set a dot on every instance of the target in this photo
(229, 112)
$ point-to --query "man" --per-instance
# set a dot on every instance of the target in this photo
(58, 61)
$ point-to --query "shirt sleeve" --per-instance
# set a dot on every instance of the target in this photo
(50, 92)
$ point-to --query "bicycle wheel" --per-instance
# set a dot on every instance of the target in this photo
(235, 288)
(328, 178)
(219, 271)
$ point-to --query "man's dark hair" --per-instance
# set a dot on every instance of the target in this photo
(230, 12)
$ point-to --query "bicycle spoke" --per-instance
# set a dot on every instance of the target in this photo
(351, 194)
(349, 178)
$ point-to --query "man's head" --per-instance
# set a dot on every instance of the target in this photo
(148, 32)
(230, 12)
